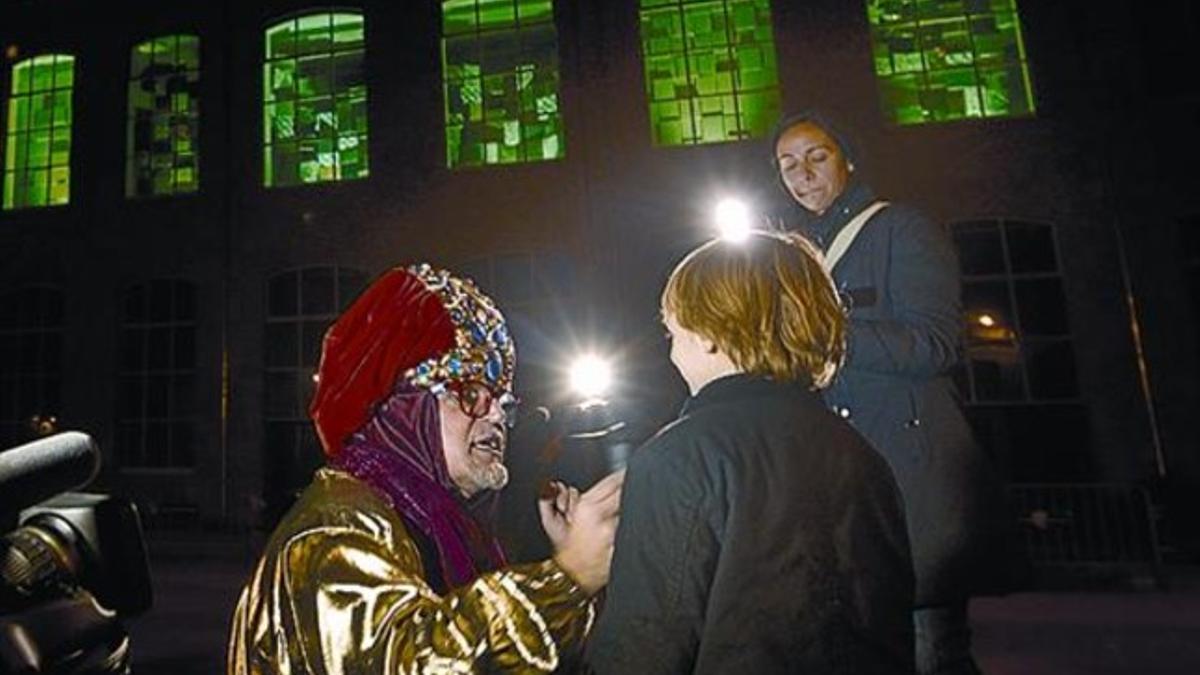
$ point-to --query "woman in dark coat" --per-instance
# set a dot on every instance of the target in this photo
(900, 279)
(759, 532)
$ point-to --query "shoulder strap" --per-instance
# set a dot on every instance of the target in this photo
(843, 240)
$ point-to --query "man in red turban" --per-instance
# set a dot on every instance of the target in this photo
(381, 565)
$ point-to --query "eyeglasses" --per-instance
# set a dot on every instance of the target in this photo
(476, 400)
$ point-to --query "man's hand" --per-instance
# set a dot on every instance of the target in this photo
(582, 526)
(556, 508)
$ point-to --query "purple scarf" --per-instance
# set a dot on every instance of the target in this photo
(398, 452)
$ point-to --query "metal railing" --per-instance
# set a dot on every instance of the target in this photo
(1099, 528)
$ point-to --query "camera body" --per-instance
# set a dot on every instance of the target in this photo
(72, 568)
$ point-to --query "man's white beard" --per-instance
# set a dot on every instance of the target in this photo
(494, 476)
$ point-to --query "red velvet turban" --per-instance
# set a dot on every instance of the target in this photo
(420, 324)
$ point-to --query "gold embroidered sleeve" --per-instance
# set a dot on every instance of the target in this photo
(360, 607)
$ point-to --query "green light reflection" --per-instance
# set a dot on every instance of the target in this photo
(940, 60)
(37, 139)
(500, 82)
(315, 100)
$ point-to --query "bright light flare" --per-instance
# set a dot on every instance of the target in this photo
(591, 376)
(986, 320)
(733, 220)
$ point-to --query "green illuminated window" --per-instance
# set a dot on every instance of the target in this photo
(37, 152)
(939, 60)
(710, 65)
(162, 156)
(500, 70)
(314, 100)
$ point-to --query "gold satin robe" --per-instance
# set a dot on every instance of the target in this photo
(340, 589)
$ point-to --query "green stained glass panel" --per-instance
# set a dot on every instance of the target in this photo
(497, 14)
(163, 117)
(314, 76)
(39, 148)
(18, 113)
(188, 54)
(43, 75)
(500, 82)
(13, 149)
(348, 31)
(533, 11)
(315, 106)
(60, 147)
(704, 60)
(22, 78)
(458, 16)
(60, 105)
(939, 60)
(281, 40)
(37, 137)
(758, 109)
(314, 34)
(39, 186)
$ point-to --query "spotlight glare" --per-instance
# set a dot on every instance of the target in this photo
(591, 376)
(986, 320)
(733, 220)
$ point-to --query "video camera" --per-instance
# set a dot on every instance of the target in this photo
(73, 565)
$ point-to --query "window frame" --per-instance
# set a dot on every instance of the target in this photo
(299, 425)
(7, 193)
(195, 122)
(478, 37)
(1010, 280)
(18, 370)
(144, 374)
(774, 91)
(923, 88)
(267, 143)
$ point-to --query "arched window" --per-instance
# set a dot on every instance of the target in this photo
(314, 100)
(710, 70)
(1019, 379)
(31, 320)
(162, 156)
(500, 76)
(156, 376)
(1018, 335)
(938, 61)
(300, 306)
(37, 152)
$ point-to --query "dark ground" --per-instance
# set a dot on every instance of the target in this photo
(1098, 633)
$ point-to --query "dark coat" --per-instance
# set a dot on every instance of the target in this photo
(901, 281)
(759, 534)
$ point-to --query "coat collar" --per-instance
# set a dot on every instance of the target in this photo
(825, 227)
(739, 387)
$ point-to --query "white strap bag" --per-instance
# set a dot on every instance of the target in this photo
(843, 240)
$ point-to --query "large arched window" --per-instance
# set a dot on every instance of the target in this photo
(710, 70)
(500, 74)
(162, 156)
(315, 100)
(31, 320)
(938, 61)
(156, 385)
(300, 306)
(37, 148)
(1019, 379)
